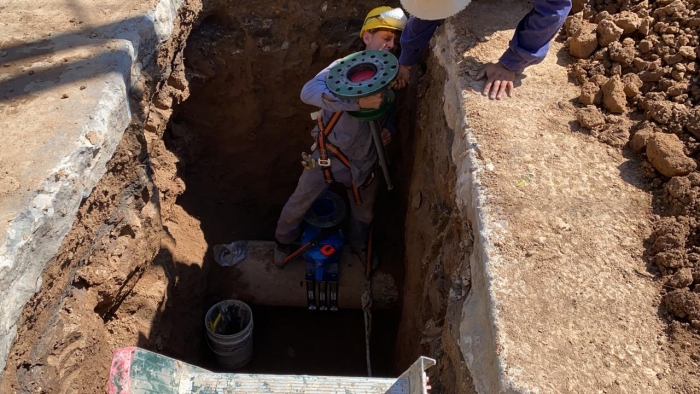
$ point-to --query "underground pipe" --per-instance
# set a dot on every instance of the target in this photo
(258, 281)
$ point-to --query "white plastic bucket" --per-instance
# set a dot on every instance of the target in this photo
(236, 350)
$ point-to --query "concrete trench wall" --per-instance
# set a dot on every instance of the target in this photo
(448, 307)
(32, 236)
(474, 329)
(102, 206)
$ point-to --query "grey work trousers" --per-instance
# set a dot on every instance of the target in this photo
(311, 185)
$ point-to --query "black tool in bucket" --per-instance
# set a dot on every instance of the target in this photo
(229, 327)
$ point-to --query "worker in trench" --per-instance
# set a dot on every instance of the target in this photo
(353, 139)
(529, 44)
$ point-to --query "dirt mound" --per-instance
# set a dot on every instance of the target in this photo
(638, 59)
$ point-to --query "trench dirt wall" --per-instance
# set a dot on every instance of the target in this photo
(438, 240)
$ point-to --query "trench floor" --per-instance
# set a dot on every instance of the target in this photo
(300, 342)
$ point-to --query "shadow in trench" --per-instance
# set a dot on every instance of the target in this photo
(178, 326)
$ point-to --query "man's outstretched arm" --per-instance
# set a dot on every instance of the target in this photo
(535, 31)
(414, 38)
(529, 45)
(316, 93)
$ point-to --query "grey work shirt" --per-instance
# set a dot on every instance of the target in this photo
(353, 137)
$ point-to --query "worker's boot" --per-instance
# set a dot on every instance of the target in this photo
(282, 251)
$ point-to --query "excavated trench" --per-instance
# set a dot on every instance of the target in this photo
(235, 143)
(239, 136)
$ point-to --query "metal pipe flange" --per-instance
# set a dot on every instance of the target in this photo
(362, 74)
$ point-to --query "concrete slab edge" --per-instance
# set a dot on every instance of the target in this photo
(35, 235)
(480, 337)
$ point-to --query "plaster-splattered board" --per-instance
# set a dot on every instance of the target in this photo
(138, 371)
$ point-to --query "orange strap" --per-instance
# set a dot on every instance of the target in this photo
(331, 123)
(344, 159)
(368, 258)
(339, 154)
(356, 194)
(368, 181)
(325, 146)
(323, 132)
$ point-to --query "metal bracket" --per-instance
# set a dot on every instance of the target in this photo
(322, 296)
(311, 295)
(413, 380)
(333, 296)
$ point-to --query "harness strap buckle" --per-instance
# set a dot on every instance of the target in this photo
(324, 162)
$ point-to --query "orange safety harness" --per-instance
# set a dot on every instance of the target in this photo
(324, 146)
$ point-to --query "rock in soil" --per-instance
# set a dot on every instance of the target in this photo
(608, 32)
(632, 85)
(683, 304)
(616, 135)
(681, 279)
(614, 97)
(638, 143)
(670, 239)
(590, 94)
(590, 117)
(665, 152)
(584, 42)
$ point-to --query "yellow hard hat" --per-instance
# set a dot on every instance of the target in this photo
(384, 18)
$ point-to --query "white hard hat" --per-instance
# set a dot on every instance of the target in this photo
(434, 9)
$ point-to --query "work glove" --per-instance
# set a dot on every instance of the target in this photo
(307, 161)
